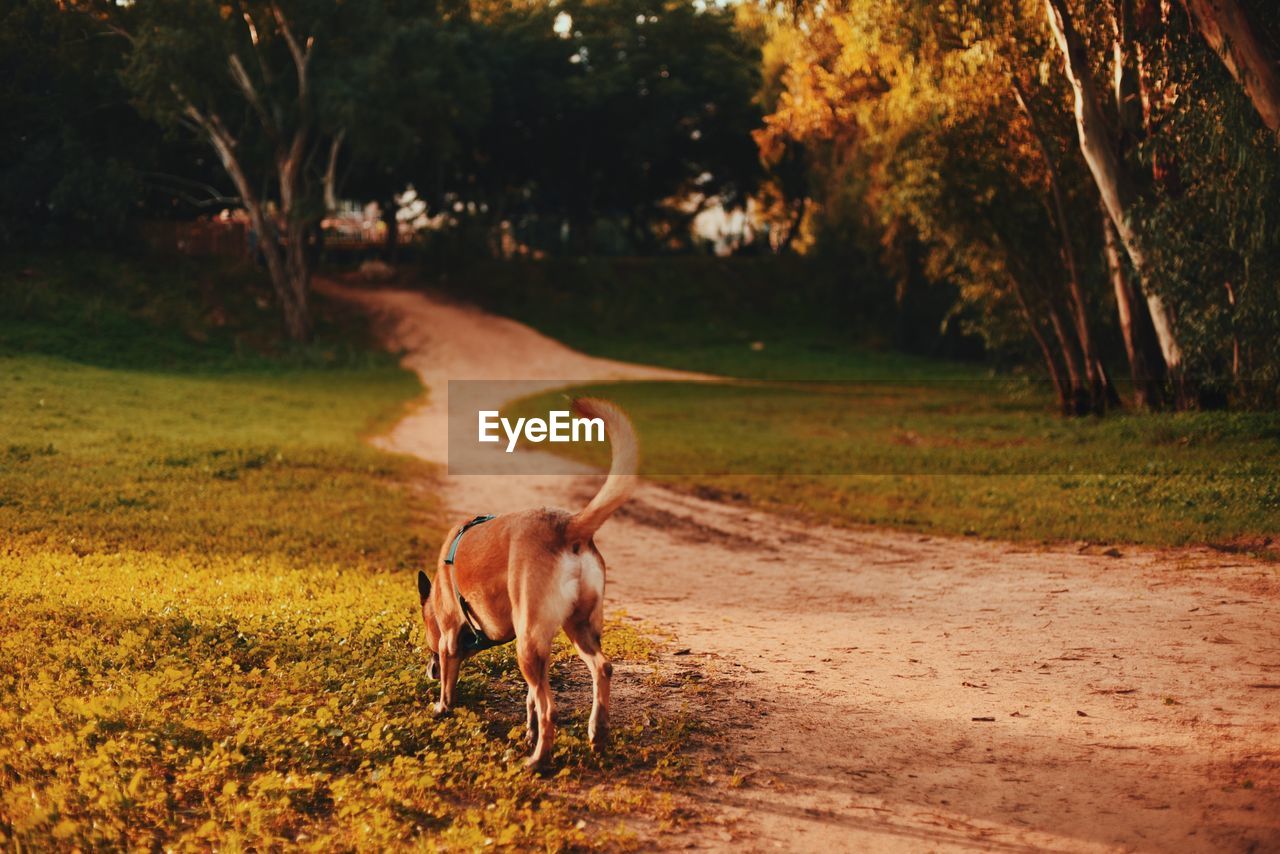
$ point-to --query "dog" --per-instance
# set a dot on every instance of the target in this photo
(524, 576)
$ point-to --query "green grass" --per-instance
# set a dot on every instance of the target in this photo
(210, 637)
(967, 458)
(846, 431)
(163, 313)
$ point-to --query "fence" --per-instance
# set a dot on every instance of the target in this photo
(197, 237)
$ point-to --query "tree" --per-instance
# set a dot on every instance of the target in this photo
(1114, 182)
(605, 114)
(931, 112)
(255, 80)
(1214, 177)
(1225, 25)
(432, 93)
(1099, 386)
(939, 130)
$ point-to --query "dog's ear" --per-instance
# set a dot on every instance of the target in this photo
(424, 587)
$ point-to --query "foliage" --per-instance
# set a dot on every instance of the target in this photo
(210, 635)
(69, 149)
(1218, 249)
(908, 112)
(493, 113)
(699, 310)
(922, 152)
(409, 103)
(602, 115)
(245, 79)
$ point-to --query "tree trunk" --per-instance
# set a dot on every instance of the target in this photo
(784, 248)
(290, 276)
(1094, 373)
(1228, 31)
(1131, 100)
(297, 320)
(1113, 182)
(297, 309)
(389, 219)
(1064, 398)
(1134, 321)
(1079, 398)
(1235, 340)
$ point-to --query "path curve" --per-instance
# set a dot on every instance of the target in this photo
(887, 691)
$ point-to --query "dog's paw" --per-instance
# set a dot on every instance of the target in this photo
(598, 733)
(537, 764)
(439, 709)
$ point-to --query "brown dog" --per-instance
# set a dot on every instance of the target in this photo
(524, 576)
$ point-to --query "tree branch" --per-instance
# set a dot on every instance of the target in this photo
(224, 144)
(267, 77)
(301, 56)
(246, 86)
(331, 172)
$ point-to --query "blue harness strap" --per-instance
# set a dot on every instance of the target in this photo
(472, 638)
(453, 547)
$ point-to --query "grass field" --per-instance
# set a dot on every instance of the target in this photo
(865, 435)
(957, 458)
(209, 636)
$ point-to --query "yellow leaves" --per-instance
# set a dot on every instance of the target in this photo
(135, 783)
(186, 687)
(873, 72)
(64, 829)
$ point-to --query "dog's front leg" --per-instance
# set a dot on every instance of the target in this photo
(450, 664)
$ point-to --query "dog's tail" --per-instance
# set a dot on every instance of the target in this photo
(622, 472)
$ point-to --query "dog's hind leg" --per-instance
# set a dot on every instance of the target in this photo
(585, 634)
(531, 718)
(534, 664)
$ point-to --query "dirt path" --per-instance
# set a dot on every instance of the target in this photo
(890, 691)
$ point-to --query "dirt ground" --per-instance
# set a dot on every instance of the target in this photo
(885, 691)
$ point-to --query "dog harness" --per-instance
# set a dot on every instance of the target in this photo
(471, 637)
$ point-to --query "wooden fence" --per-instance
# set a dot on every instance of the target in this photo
(196, 237)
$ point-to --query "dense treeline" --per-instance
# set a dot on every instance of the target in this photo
(1090, 185)
(572, 124)
(1085, 174)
